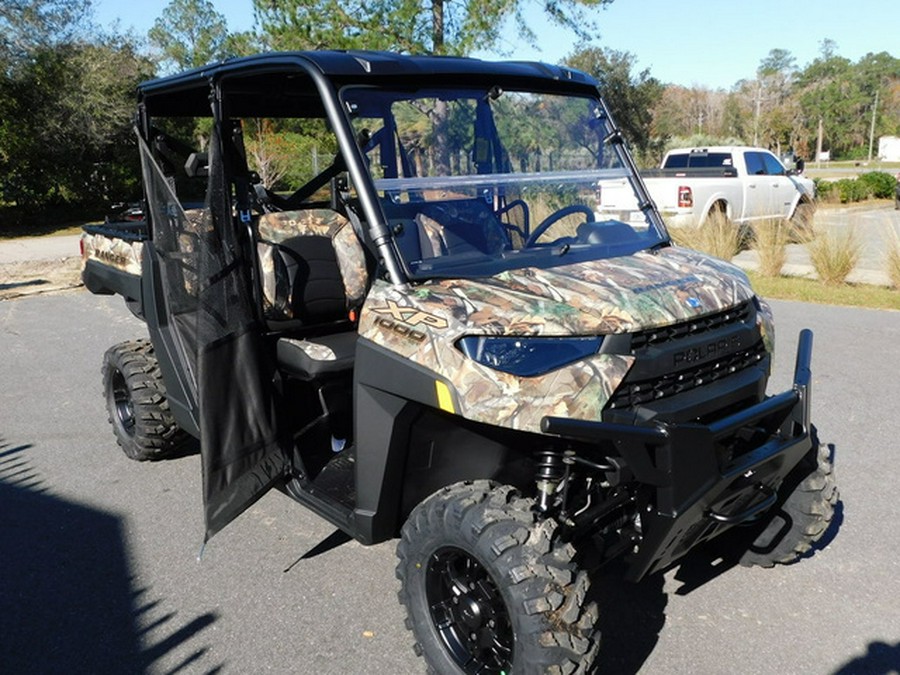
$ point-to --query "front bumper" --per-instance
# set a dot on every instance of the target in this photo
(706, 478)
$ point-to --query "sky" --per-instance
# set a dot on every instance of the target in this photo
(707, 43)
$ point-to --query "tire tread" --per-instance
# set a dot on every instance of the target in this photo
(545, 594)
(804, 515)
(156, 434)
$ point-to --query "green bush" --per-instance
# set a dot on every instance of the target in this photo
(851, 190)
(880, 184)
(877, 184)
(824, 188)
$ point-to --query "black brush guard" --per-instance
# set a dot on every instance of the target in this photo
(706, 478)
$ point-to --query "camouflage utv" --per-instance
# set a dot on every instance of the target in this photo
(380, 284)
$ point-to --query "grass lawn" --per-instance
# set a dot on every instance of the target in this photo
(808, 290)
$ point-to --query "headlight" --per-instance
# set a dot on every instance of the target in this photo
(527, 356)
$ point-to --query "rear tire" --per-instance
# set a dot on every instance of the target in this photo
(488, 589)
(802, 224)
(136, 402)
(807, 501)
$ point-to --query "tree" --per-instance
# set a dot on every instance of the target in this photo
(28, 24)
(242, 44)
(878, 76)
(267, 152)
(66, 124)
(774, 110)
(189, 33)
(779, 63)
(826, 91)
(413, 26)
(631, 98)
(737, 115)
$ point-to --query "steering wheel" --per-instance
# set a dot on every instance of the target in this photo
(556, 216)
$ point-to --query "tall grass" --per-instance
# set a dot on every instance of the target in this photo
(770, 240)
(892, 259)
(717, 236)
(834, 254)
(802, 224)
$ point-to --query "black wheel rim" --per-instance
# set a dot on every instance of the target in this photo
(468, 612)
(124, 406)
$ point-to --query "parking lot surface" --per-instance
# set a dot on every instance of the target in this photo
(98, 554)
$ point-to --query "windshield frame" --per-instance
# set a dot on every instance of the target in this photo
(537, 255)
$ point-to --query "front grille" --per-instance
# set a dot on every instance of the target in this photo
(742, 313)
(631, 394)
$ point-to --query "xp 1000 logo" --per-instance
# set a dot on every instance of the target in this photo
(404, 321)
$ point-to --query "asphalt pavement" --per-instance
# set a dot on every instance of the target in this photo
(39, 248)
(98, 553)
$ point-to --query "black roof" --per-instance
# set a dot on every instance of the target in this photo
(362, 66)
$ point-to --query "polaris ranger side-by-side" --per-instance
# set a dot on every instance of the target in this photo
(382, 284)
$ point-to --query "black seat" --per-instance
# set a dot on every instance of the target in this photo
(314, 276)
(317, 358)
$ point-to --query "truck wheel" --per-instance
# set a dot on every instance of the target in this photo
(801, 224)
(808, 498)
(487, 589)
(136, 402)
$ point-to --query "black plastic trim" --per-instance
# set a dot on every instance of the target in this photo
(691, 476)
(101, 279)
(691, 369)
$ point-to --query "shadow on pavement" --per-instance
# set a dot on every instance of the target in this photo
(67, 601)
(724, 552)
(631, 618)
(720, 555)
(329, 543)
(879, 659)
(21, 284)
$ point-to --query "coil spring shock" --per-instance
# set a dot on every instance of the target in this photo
(552, 467)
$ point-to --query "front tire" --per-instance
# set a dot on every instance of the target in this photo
(807, 501)
(489, 589)
(136, 402)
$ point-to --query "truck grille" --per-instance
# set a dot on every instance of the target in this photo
(653, 377)
(656, 336)
(631, 394)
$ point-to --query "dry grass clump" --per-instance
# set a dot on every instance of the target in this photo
(802, 228)
(770, 240)
(892, 260)
(717, 236)
(834, 254)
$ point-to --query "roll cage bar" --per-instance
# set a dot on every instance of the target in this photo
(325, 73)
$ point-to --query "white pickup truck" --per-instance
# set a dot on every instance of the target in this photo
(744, 184)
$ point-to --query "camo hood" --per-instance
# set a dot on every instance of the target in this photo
(601, 297)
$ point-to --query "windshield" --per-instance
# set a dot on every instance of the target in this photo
(473, 182)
